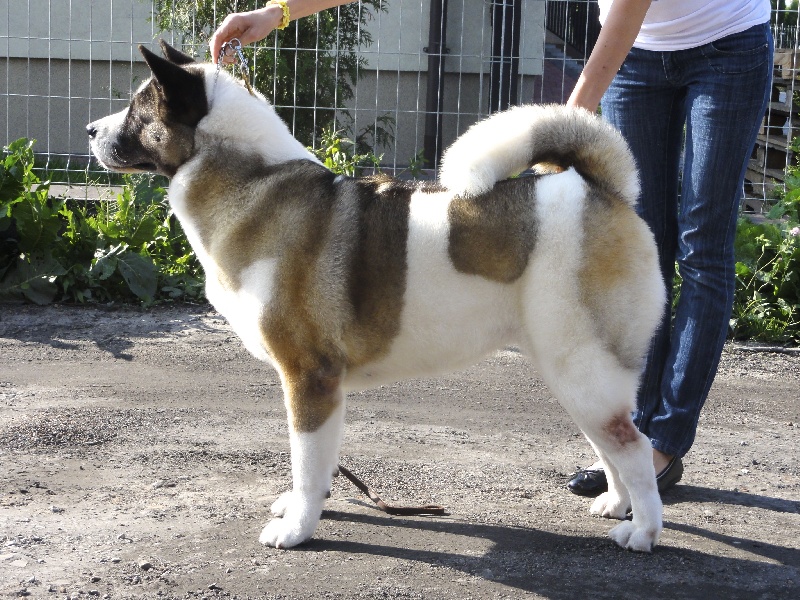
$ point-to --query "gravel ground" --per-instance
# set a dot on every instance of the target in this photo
(140, 450)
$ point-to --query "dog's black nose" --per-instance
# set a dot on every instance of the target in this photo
(91, 130)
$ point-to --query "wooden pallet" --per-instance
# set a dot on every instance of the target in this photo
(763, 183)
(771, 152)
(787, 64)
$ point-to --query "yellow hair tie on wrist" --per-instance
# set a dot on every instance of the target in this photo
(285, 8)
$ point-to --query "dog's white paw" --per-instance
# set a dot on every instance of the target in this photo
(611, 506)
(298, 518)
(280, 505)
(631, 537)
(288, 531)
(280, 533)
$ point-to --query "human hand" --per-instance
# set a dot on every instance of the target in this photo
(581, 98)
(248, 27)
(622, 25)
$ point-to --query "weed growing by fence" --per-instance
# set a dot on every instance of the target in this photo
(339, 154)
(127, 249)
(767, 304)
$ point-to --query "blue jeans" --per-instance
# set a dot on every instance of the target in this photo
(707, 101)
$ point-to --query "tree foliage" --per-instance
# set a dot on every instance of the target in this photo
(785, 13)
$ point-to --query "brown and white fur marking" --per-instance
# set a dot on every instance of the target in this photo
(344, 283)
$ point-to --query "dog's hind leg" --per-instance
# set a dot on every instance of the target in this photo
(316, 408)
(591, 298)
(616, 504)
(600, 396)
(628, 458)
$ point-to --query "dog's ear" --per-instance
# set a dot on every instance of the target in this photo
(170, 77)
(183, 91)
(175, 56)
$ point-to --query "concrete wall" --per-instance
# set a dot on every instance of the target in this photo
(66, 62)
(52, 100)
(466, 100)
(74, 29)
(400, 35)
(396, 86)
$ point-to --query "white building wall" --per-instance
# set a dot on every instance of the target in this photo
(400, 35)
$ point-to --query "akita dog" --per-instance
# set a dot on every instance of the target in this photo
(347, 283)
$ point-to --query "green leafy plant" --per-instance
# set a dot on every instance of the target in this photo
(767, 305)
(30, 226)
(767, 302)
(416, 164)
(339, 154)
(129, 248)
(139, 247)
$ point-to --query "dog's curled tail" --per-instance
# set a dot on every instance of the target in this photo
(511, 141)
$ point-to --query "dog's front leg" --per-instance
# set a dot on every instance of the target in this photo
(315, 406)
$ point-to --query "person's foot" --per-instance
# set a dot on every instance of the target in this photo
(592, 481)
(669, 475)
(660, 460)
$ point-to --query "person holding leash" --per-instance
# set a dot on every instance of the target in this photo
(252, 26)
(687, 84)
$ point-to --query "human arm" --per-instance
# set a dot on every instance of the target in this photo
(622, 25)
(255, 25)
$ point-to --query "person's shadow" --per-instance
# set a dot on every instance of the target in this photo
(693, 494)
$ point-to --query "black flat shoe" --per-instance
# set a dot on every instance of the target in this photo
(592, 482)
(588, 482)
(671, 475)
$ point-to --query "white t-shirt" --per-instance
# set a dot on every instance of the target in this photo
(679, 24)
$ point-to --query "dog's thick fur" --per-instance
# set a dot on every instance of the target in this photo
(344, 283)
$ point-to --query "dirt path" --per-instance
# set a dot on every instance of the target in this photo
(139, 453)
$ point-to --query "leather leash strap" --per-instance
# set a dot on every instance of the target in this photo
(428, 509)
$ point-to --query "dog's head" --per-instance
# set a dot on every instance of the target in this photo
(156, 132)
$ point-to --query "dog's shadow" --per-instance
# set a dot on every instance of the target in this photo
(570, 566)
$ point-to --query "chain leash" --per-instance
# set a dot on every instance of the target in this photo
(229, 48)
